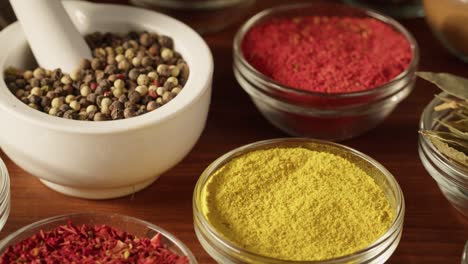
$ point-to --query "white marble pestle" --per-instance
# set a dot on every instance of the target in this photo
(54, 39)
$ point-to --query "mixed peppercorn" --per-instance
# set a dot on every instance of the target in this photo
(90, 244)
(129, 75)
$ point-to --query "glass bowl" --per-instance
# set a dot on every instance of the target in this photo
(321, 115)
(226, 252)
(205, 16)
(4, 194)
(448, 20)
(452, 177)
(129, 224)
(395, 8)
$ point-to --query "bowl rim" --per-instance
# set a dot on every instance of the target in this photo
(5, 182)
(198, 84)
(4, 243)
(272, 12)
(395, 227)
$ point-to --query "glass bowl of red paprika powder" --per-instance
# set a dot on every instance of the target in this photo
(295, 63)
(128, 238)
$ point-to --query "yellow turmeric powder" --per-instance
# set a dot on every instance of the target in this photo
(296, 204)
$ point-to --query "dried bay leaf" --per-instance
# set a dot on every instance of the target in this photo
(448, 138)
(451, 103)
(449, 151)
(454, 129)
(449, 83)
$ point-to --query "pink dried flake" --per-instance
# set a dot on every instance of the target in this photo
(87, 244)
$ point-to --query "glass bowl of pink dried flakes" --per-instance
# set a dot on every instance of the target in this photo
(94, 238)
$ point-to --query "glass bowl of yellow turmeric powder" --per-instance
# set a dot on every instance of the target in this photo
(298, 201)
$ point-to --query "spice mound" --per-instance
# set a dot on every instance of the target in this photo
(90, 244)
(327, 54)
(296, 204)
(129, 75)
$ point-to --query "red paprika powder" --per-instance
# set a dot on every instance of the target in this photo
(327, 54)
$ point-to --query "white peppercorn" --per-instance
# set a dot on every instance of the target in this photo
(172, 80)
(82, 116)
(119, 58)
(56, 102)
(36, 91)
(161, 90)
(133, 43)
(176, 90)
(100, 117)
(27, 75)
(124, 65)
(142, 90)
(109, 51)
(53, 111)
(153, 75)
(142, 79)
(136, 62)
(119, 50)
(106, 102)
(69, 98)
(75, 75)
(167, 54)
(152, 89)
(66, 79)
(129, 54)
(91, 108)
(33, 106)
(120, 84)
(85, 90)
(45, 88)
(175, 71)
(39, 73)
(166, 97)
(163, 70)
(117, 92)
(75, 105)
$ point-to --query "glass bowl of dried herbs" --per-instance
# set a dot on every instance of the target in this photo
(94, 238)
(443, 140)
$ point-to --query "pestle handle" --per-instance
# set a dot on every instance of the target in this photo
(54, 39)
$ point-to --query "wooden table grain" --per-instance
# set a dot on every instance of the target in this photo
(434, 232)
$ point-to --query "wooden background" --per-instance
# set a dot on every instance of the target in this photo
(433, 231)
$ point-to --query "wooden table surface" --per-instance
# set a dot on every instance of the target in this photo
(434, 232)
